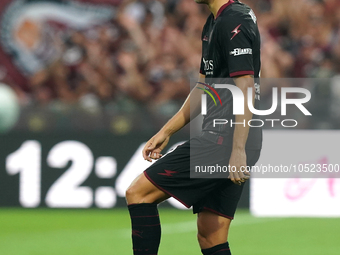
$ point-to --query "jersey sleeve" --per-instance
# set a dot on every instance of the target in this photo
(237, 45)
(204, 40)
(202, 69)
(202, 66)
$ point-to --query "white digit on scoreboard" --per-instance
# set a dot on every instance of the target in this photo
(66, 192)
(26, 161)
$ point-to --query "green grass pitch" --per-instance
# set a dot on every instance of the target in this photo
(106, 232)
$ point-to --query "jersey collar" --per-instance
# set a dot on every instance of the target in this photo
(223, 7)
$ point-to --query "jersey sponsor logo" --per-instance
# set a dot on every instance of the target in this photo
(168, 173)
(253, 16)
(239, 51)
(236, 31)
(208, 66)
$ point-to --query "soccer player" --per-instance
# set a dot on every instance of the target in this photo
(230, 54)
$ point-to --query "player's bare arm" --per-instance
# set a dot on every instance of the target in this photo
(189, 110)
(238, 156)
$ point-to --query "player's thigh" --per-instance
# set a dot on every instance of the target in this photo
(212, 229)
(141, 190)
(172, 173)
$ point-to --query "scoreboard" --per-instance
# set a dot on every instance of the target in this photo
(71, 171)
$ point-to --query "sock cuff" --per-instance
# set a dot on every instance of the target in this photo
(143, 205)
(224, 247)
(144, 212)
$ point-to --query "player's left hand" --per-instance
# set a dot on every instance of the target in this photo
(238, 166)
(152, 149)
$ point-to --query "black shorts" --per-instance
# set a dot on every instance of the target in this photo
(171, 174)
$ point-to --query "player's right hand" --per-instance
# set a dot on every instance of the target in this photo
(238, 162)
(152, 149)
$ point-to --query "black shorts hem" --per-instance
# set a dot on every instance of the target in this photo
(218, 213)
(165, 191)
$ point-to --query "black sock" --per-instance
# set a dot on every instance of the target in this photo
(221, 249)
(146, 228)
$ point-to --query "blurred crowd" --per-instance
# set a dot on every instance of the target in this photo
(299, 38)
(145, 55)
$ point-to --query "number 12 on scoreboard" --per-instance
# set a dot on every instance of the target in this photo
(66, 190)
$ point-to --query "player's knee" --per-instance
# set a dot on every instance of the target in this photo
(212, 229)
(133, 196)
(201, 237)
(204, 233)
(129, 193)
(142, 190)
(204, 239)
(136, 194)
(208, 239)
